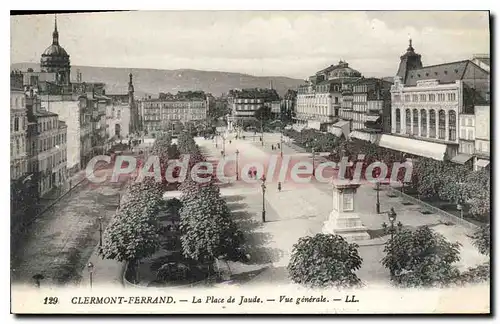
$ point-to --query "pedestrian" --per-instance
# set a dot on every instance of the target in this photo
(272, 147)
(222, 153)
(279, 186)
(229, 141)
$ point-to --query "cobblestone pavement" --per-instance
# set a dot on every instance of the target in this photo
(59, 243)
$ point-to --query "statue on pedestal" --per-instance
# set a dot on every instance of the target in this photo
(344, 220)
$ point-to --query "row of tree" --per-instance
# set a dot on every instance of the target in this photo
(431, 179)
(414, 258)
(207, 231)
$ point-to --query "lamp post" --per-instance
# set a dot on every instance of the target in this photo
(100, 230)
(223, 146)
(459, 203)
(377, 206)
(263, 186)
(237, 169)
(313, 154)
(392, 229)
(262, 131)
(281, 143)
(90, 268)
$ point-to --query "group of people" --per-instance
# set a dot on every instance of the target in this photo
(275, 147)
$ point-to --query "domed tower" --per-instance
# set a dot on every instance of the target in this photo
(55, 59)
(409, 61)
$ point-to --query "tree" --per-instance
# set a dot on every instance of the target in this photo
(421, 258)
(324, 260)
(481, 239)
(477, 193)
(207, 230)
(133, 233)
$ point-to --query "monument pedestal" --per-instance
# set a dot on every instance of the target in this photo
(343, 220)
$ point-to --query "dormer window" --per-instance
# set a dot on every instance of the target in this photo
(435, 73)
(418, 75)
(427, 74)
(445, 72)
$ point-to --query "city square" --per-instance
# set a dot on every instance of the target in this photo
(179, 180)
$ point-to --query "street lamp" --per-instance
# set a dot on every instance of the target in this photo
(237, 169)
(313, 155)
(100, 230)
(90, 267)
(223, 146)
(377, 188)
(392, 219)
(263, 186)
(281, 143)
(459, 205)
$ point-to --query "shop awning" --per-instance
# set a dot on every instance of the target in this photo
(482, 163)
(461, 158)
(344, 125)
(421, 148)
(369, 137)
(335, 131)
(372, 118)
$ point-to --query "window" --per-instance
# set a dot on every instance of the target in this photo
(462, 122)
(414, 98)
(407, 98)
(397, 98)
(452, 126)
(415, 122)
(423, 123)
(441, 97)
(408, 121)
(432, 123)
(17, 146)
(442, 126)
(423, 97)
(432, 97)
(451, 97)
(469, 121)
(470, 134)
(16, 124)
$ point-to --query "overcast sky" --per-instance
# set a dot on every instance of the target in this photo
(294, 44)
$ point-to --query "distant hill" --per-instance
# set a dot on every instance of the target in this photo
(151, 81)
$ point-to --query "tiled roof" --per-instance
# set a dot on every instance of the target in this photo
(444, 73)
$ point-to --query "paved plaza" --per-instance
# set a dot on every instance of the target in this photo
(65, 239)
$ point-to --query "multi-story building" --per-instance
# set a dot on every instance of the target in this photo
(18, 133)
(319, 101)
(482, 136)
(162, 114)
(288, 105)
(245, 103)
(426, 103)
(466, 136)
(118, 116)
(51, 151)
(371, 108)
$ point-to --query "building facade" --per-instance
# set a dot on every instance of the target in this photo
(466, 139)
(427, 102)
(320, 99)
(482, 136)
(162, 114)
(18, 134)
(245, 103)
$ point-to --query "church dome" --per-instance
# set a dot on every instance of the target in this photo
(55, 50)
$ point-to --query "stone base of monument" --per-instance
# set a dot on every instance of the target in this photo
(348, 226)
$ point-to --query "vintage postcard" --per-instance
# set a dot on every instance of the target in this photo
(273, 162)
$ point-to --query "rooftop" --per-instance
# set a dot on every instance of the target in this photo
(444, 73)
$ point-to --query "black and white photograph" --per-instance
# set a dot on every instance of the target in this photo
(250, 162)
